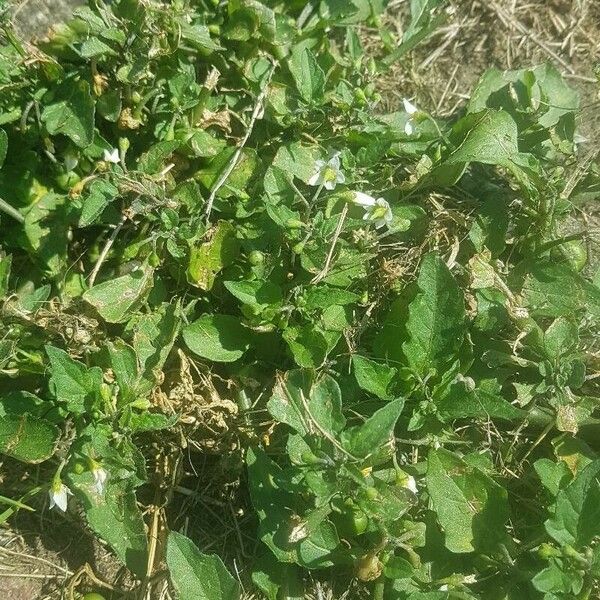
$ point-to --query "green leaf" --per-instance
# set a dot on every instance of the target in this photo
(308, 345)
(95, 48)
(425, 17)
(28, 438)
(73, 114)
(116, 517)
(221, 338)
(116, 299)
(198, 37)
(198, 576)
(153, 337)
(553, 475)
(307, 74)
(72, 382)
(307, 406)
(154, 160)
(257, 293)
(375, 432)
(101, 193)
(471, 508)
(576, 518)
(436, 320)
(5, 265)
(213, 255)
(375, 378)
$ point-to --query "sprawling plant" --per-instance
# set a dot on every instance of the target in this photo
(213, 237)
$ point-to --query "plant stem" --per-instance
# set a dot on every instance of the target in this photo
(379, 588)
(6, 208)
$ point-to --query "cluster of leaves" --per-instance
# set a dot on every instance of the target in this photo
(430, 383)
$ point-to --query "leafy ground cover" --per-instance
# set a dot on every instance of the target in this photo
(233, 283)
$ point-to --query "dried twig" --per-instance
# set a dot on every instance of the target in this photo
(106, 250)
(338, 230)
(256, 114)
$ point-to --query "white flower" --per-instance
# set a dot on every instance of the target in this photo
(59, 493)
(100, 477)
(377, 210)
(443, 588)
(412, 110)
(411, 484)
(327, 173)
(112, 156)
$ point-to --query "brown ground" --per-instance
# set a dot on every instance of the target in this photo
(40, 551)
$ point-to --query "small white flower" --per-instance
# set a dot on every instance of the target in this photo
(112, 156)
(443, 588)
(412, 110)
(100, 477)
(377, 210)
(59, 493)
(327, 173)
(411, 484)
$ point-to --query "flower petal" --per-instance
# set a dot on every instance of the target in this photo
(409, 107)
(408, 127)
(316, 178)
(364, 199)
(334, 161)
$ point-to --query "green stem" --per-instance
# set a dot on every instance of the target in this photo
(379, 588)
(6, 208)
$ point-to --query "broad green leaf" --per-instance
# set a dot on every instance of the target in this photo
(124, 364)
(72, 382)
(47, 227)
(483, 402)
(308, 345)
(217, 252)
(375, 432)
(295, 160)
(28, 438)
(554, 580)
(491, 137)
(307, 74)
(116, 517)
(258, 292)
(154, 160)
(198, 37)
(375, 378)
(72, 114)
(95, 48)
(221, 338)
(436, 320)
(561, 338)
(101, 193)
(153, 337)
(553, 475)
(576, 518)
(471, 508)
(305, 405)
(116, 299)
(272, 503)
(542, 89)
(198, 576)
